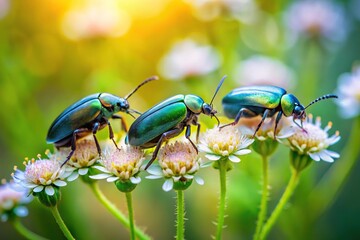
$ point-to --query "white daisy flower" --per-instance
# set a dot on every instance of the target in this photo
(13, 199)
(314, 141)
(260, 69)
(317, 18)
(120, 165)
(41, 174)
(348, 91)
(84, 157)
(96, 18)
(178, 163)
(4, 8)
(226, 142)
(188, 59)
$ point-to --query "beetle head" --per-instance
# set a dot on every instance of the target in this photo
(122, 105)
(299, 111)
(208, 109)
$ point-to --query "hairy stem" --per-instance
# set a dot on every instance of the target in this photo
(281, 204)
(264, 197)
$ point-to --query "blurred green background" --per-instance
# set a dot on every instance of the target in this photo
(53, 53)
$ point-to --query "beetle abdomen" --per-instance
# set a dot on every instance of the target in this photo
(72, 119)
(146, 129)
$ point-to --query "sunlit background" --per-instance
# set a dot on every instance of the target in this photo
(53, 53)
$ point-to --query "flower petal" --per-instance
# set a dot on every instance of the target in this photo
(112, 179)
(21, 211)
(83, 171)
(234, 159)
(73, 176)
(199, 180)
(60, 183)
(38, 188)
(135, 180)
(168, 185)
(49, 190)
(212, 157)
(154, 176)
(100, 176)
(315, 156)
(243, 152)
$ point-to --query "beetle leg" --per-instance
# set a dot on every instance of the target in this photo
(187, 135)
(73, 143)
(277, 120)
(123, 123)
(197, 131)
(94, 131)
(266, 112)
(300, 126)
(111, 134)
(242, 112)
(164, 137)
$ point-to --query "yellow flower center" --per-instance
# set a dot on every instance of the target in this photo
(41, 169)
(178, 159)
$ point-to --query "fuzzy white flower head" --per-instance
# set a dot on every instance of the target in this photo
(314, 141)
(349, 94)
(208, 10)
(4, 8)
(123, 164)
(13, 197)
(317, 18)
(260, 69)
(228, 142)
(187, 59)
(97, 18)
(285, 128)
(178, 162)
(85, 156)
(41, 174)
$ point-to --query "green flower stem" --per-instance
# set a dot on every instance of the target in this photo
(131, 215)
(180, 215)
(114, 211)
(264, 197)
(26, 233)
(61, 223)
(323, 196)
(281, 204)
(222, 203)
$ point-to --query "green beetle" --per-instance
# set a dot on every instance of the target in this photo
(168, 119)
(266, 101)
(87, 116)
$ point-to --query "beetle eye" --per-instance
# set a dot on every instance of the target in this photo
(298, 111)
(207, 109)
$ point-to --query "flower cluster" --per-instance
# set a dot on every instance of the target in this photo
(84, 157)
(349, 94)
(226, 142)
(121, 166)
(313, 141)
(41, 175)
(189, 58)
(317, 18)
(178, 163)
(13, 199)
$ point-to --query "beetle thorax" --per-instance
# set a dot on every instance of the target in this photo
(113, 104)
(194, 103)
(291, 106)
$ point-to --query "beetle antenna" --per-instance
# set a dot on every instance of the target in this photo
(217, 89)
(216, 119)
(141, 84)
(322, 98)
(133, 111)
